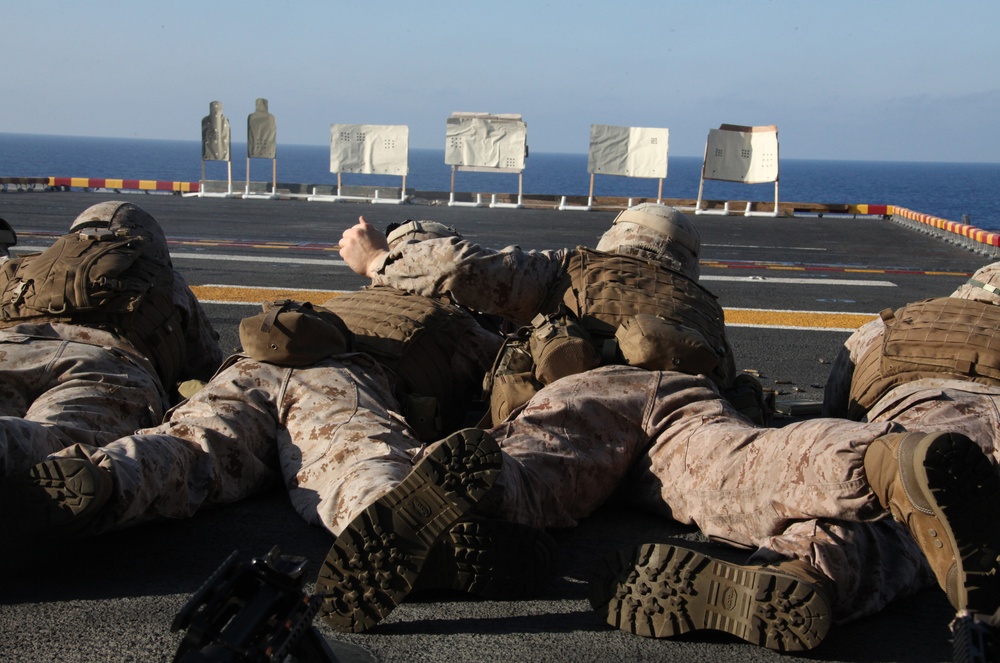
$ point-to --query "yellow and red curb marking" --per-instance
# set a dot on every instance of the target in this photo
(963, 229)
(874, 210)
(142, 185)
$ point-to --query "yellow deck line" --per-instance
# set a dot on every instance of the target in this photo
(236, 294)
(799, 319)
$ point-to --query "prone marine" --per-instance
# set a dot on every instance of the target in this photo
(96, 333)
(337, 403)
(812, 498)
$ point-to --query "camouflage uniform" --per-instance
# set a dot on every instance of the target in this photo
(331, 431)
(668, 443)
(64, 383)
(685, 451)
(928, 403)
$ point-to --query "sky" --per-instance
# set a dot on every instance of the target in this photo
(889, 80)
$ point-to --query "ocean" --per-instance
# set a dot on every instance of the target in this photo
(965, 192)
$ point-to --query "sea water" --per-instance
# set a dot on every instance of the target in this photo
(968, 192)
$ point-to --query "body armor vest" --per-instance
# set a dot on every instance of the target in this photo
(606, 289)
(601, 296)
(944, 338)
(100, 279)
(415, 337)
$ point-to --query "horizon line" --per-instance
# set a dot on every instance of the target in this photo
(442, 149)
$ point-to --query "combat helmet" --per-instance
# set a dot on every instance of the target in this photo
(655, 232)
(116, 216)
(984, 286)
(417, 231)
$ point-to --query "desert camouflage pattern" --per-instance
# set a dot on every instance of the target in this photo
(332, 433)
(511, 283)
(934, 403)
(674, 445)
(63, 384)
(677, 448)
(518, 284)
(930, 404)
(871, 563)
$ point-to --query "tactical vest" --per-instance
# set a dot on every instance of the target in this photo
(936, 338)
(415, 337)
(100, 279)
(603, 293)
(606, 289)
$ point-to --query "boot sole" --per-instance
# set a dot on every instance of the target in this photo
(662, 591)
(374, 563)
(963, 490)
(496, 560)
(55, 499)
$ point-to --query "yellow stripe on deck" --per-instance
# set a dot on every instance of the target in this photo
(240, 294)
(796, 319)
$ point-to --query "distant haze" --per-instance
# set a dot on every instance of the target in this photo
(913, 80)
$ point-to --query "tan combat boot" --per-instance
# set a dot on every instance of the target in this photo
(659, 590)
(53, 500)
(947, 492)
(377, 560)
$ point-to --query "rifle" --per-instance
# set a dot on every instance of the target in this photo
(252, 612)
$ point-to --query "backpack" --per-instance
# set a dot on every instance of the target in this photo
(103, 279)
(82, 272)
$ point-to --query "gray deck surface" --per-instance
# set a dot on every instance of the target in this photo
(112, 598)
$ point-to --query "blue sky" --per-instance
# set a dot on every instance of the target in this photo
(908, 80)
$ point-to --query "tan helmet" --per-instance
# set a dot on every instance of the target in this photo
(984, 286)
(117, 215)
(655, 232)
(417, 231)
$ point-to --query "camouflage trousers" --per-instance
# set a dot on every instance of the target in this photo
(674, 446)
(329, 432)
(929, 405)
(56, 392)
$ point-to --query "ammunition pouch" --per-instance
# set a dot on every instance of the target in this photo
(560, 346)
(656, 344)
(511, 382)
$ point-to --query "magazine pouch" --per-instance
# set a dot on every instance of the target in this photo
(651, 342)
